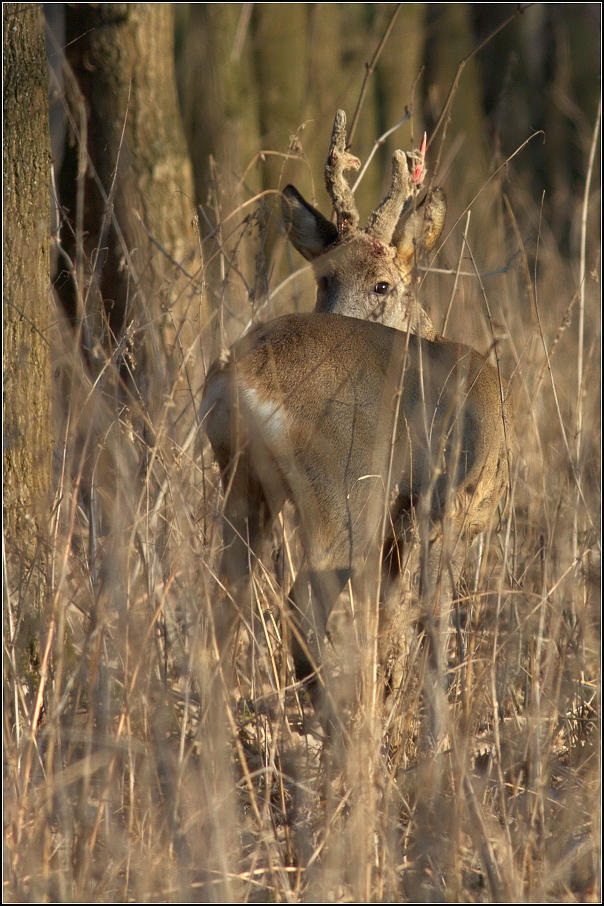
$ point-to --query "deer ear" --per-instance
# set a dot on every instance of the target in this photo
(419, 232)
(308, 231)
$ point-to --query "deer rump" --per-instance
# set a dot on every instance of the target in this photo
(346, 417)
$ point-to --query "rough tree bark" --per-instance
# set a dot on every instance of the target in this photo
(127, 170)
(27, 454)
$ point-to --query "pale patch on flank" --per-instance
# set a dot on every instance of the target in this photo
(266, 410)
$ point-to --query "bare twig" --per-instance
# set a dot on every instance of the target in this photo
(454, 84)
(377, 143)
(571, 461)
(242, 30)
(369, 70)
(457, 274)
(581, 326)
(480, 191)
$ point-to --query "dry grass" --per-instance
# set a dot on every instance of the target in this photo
(142, 766)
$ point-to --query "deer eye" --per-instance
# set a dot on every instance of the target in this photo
(381, 288)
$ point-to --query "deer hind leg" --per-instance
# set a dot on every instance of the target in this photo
(399, 609)
(310, 602)
(421, 573)
(249, 508)
(328, 545)
(312, 597)
(441, 559)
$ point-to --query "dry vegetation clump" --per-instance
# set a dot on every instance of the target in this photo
(143, 764)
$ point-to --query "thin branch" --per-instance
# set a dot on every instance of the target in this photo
(242, 31)
(369, 70)
(457, 274)
(590, 164)
(454, 84)
(193, 279)
(571, 461)
(581, 326)
(378, 142)
(479, 192)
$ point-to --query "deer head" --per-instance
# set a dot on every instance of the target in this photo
(368, 273)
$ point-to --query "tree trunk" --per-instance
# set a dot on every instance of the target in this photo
(127, 187)
(280, 62)
(27, 457)
(464, 132)
(221, 118)
(400, 83)
(220, 98)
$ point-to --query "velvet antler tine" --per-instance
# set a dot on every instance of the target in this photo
(384, 218)
(339, 160)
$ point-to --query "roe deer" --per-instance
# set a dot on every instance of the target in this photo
(359, 424)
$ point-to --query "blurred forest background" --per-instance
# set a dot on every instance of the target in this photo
(144, 149)
(258, 85)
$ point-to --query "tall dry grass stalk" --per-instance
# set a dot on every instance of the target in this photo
(143, 764)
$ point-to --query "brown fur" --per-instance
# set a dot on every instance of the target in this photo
(346, 417)
(372, 432)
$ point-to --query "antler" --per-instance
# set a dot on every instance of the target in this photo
(408, 174)
(339, 160)
(383, 220)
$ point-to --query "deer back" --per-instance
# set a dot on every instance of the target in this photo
(334, 401)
